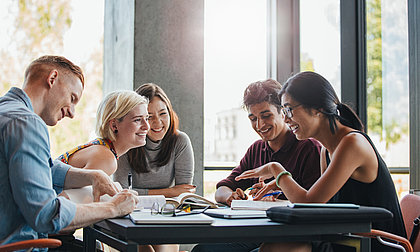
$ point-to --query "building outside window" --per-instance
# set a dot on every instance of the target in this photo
(235, 55)
(241, 59)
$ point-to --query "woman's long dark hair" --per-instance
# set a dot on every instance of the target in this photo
(137, 156)
(314, 91)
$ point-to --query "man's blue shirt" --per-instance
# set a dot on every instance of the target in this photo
(29, 179)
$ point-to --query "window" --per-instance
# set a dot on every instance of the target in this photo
(320, 39)
(235, 55)
(387, 84)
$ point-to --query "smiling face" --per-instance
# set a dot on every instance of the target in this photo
(133, 128)
(304, 123)
(159, 119)
(62, 98)
(267, 122)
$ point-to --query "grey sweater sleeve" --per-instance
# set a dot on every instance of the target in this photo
(184, 160)
(121, 175)
(179, 170)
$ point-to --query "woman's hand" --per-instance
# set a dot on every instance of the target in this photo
(256, 188)
(178, 189)
(267, 188)
(264, 172)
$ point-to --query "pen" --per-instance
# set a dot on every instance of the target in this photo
(130, 181)
(273, 194)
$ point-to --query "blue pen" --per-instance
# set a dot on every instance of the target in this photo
(273, 194)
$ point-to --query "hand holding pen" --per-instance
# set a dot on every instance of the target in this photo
(255, 188)
(273, 196)
(238, 194)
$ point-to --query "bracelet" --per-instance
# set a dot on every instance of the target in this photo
(281, 174)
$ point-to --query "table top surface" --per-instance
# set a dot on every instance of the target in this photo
(224, 230)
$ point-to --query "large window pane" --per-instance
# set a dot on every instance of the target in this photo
(320, 39)
(387, 82)
(235, 54)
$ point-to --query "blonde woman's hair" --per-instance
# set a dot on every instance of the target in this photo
(116, 105)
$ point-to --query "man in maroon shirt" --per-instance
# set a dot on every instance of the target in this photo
(278, 143)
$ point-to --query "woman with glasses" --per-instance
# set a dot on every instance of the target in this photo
(165, 165)
(352, 169)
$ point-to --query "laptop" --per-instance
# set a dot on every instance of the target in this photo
(228, 213)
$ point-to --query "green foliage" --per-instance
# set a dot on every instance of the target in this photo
(38, 29)
(392, 131)
(40, 26)
(374, 66)
(306, 63)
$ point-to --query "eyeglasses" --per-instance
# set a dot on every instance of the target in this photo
(169, 209)
(287, 110)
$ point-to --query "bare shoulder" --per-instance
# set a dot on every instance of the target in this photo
(357, 148)
(356, 141)
(97, 157)
(98, 152)
(361, 153)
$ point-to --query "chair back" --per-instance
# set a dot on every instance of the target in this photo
(410, 208)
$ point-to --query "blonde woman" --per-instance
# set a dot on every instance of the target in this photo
(122, 124)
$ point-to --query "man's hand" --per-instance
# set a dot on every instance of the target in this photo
(124, 202)
(238, 194)
(102, 184)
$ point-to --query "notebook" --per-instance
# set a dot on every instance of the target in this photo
(228, 213)
(145, 217)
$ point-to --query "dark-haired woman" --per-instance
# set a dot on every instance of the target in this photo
(352, 169)
(165, 165)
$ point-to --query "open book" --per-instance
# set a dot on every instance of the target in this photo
(84, 195)
(256, 204)
(192, 199)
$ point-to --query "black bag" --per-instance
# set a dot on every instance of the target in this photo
(327, 215)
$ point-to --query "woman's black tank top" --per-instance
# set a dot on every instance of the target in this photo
(380, 193)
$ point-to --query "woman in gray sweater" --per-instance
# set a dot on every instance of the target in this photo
(165, 165)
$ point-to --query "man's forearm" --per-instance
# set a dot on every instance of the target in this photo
(77, 177)
(87, 214)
